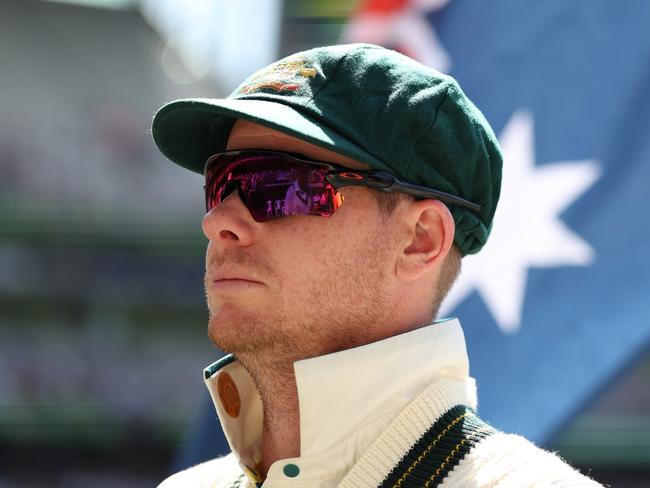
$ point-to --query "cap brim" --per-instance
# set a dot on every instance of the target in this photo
(189, 131)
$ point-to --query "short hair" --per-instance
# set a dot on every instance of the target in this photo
(448, 274)
(387, 203)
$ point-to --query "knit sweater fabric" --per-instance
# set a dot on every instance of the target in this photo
(434, 438)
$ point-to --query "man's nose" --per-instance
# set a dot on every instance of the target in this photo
(229, 223)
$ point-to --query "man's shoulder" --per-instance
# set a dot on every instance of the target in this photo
(514, 461)
(456, 449)
(223, 472)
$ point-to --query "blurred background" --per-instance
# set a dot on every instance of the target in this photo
(102, 315)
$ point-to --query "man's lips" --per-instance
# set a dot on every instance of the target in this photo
(225, 280)
(235, 278)
(225, 275)
(234, 286)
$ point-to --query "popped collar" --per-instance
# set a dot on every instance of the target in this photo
(346, 400)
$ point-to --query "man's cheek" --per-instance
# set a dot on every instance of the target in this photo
(212, 302)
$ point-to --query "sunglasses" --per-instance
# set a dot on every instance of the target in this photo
(274, 184)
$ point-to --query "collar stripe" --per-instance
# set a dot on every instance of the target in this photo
(439, 450)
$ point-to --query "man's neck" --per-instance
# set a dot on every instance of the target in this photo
(281, 424)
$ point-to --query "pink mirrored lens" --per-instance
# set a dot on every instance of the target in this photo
(272, 186)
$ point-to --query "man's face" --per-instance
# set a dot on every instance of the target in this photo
(298, 286)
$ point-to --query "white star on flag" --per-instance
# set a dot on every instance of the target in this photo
(527, 231)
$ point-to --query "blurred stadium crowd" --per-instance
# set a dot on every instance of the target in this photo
(102, 322)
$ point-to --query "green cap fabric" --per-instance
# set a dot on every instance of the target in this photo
(363, 101)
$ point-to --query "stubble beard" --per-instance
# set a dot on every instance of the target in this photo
(342, 313)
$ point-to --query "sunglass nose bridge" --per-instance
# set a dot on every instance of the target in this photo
(228, 188)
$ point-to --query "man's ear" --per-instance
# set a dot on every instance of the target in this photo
(430, 235)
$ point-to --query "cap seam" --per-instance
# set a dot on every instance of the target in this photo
(323, 121)
(327, 82)
(425, 131)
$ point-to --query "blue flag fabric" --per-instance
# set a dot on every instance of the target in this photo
(566, 87)
(558, 303)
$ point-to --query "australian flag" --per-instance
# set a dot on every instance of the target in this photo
(558, 302)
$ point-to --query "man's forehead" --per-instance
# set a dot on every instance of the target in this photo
(249, 135)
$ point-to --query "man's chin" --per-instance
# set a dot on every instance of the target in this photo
(238, 337)
(226, 338)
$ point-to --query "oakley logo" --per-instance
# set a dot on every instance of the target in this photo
(350, 176)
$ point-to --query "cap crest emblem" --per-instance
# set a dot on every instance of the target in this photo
(280, 77)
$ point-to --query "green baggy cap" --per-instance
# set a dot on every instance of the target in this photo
(363, 101)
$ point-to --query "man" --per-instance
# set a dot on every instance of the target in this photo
(337, 376)
(298, 200)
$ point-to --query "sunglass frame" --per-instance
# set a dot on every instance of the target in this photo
(340, 176)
